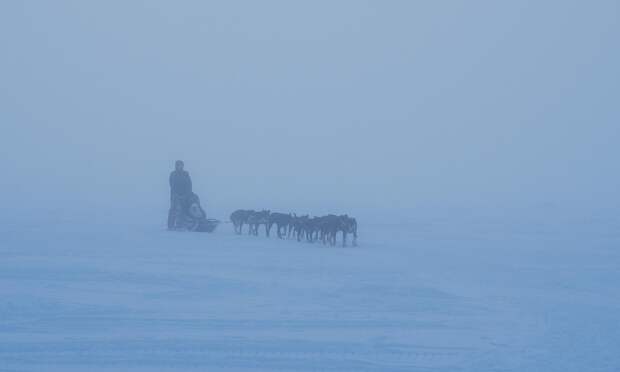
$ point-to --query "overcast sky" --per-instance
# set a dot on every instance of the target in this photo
(286, 104)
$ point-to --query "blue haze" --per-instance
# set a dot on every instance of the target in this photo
(292, 104)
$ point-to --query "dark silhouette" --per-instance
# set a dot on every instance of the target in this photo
(328, 227)
(185, 211)
(282, 222)
(312, 229)
(180, 192)
(180, 181)
(348, 225)
(298, 224)
(255, 219)
(239, 218)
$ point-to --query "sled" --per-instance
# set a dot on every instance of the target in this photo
(207, 225)
(193, 217)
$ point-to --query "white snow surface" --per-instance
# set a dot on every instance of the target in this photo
(440, 293)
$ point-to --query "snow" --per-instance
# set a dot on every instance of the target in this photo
(442, 293)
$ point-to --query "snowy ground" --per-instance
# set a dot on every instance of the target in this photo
(438, 294)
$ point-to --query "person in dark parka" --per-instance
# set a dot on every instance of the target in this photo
(180, 191)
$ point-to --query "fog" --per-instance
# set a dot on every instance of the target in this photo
(338, 105)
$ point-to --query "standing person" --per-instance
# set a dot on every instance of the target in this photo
(180, 191)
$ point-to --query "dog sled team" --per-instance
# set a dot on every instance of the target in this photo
(187, 214)
(311, 229)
